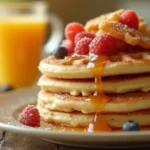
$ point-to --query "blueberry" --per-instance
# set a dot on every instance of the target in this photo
(131, 126)
(5, 88)
(60, 52)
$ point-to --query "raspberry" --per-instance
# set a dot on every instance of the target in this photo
(83, 34)
(103, 45)
(82, 46)
(72, 29)
(130, 18)
(30, 116)
(69, 45)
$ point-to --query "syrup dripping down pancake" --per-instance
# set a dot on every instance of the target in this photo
(77, 68)
(119, 103)
(120, 84)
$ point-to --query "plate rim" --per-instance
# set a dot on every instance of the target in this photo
(26, 129)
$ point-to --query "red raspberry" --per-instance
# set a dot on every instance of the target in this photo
(83, 34)
(69, 45)
(30, 116)
(82, 46)
(130, 18)
(103, 45)
(72, 29)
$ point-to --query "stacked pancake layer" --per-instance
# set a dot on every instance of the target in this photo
(72, 94)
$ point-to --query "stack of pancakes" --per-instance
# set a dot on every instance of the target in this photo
(85, 91)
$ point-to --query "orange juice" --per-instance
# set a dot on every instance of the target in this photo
(21, 41)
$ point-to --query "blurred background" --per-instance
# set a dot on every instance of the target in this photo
(82, 10)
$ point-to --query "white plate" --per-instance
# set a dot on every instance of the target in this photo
(11, 102)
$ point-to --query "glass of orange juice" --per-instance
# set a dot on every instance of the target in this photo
(23, 29)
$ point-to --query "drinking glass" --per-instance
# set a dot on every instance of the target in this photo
(23, 28)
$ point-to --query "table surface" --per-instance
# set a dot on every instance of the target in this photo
(12, 141)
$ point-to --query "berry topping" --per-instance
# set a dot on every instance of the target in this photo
(5, 88)
(69, 45)
(60, 52)
(30, 116)
(82, 46)
(130, 18)
(131, 126)
(72, 29)
(103, 45)
(83, 34)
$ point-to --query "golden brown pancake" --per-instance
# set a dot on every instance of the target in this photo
(79, 69)
(92, 25)
(123, 32)
(83, 120)
(86, 87)
(119, 103)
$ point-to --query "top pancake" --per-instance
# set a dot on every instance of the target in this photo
(92, 25)
(136, 63)
(132, 57)
(124, 33)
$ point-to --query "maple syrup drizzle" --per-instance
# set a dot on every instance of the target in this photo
(146, 62)
(69, 60)
(61, 127)
(99, 99)
(66, 128)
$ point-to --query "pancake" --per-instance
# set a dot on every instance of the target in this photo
(119, 103)
(97, 90)
(123, 32)
(86, 87)
(79, 68)
(92, 25)
(82, 120)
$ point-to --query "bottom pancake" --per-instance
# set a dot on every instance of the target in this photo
(83, 120)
